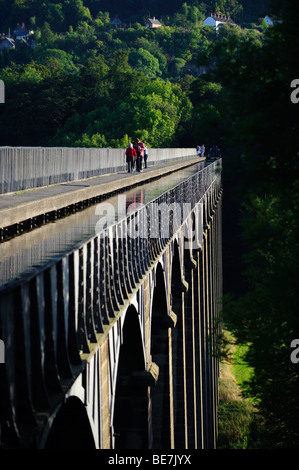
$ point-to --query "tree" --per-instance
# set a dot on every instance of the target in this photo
(48, 37)
(39, 99)
(143, 61)
(264, 130)
(74, 12)
(56, 59)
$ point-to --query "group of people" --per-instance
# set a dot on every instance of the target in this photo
(214, 152)
(136, 156)
(200, 150)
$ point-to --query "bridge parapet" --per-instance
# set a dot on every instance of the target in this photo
(54, 321)
(24, 168)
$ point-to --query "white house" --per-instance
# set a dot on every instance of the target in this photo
(217, 20)
(153, 23)
(269, 21)
(272, 21)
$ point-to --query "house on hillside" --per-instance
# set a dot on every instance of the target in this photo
(269, 21)
(27, 42)
(272, 21)
(21, 31)
(217, 20)
(153, 23)
(6, 43)
(116, 21)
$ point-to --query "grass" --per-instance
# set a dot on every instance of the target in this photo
(239, 422)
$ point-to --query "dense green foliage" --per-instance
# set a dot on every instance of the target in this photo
(61, 14)
(89, 83)
(262, 185)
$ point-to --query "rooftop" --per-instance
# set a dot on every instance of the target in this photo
(221, 18)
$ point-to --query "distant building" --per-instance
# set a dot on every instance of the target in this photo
(272, 21)
(6, 43)
(269, 21)
(153, 23)
(217, 20)
(28, 42)
(21, 31)
(116, 21)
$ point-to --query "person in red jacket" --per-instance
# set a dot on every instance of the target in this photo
(139, 147)
(131, 156)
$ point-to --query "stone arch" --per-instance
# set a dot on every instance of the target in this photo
(161, 394)
(71, 427)
(130, 417)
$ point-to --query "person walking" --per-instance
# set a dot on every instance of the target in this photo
(139, 147)
(202, 150)
(145, 156)
(130, 156)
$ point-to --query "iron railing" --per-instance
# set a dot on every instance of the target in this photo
(52, 316)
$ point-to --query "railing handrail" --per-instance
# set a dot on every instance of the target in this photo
(55, 259)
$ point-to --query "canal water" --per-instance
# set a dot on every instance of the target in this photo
(22, 255)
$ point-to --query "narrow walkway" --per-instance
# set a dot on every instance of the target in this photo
(21, 206)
